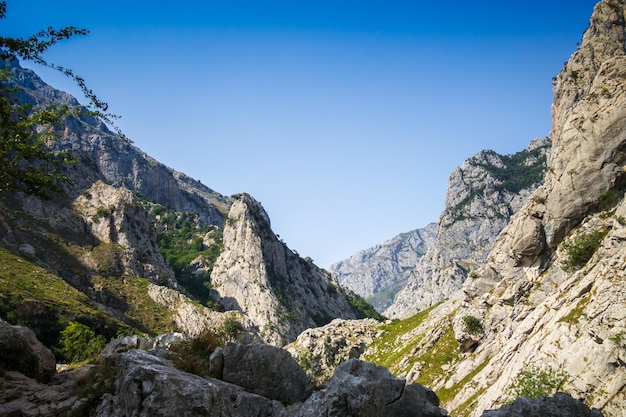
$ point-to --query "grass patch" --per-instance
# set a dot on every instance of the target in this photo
(33, 297)
(573, 317)
(129, 295)
(448, 394)
(444, 352)
(389, 350)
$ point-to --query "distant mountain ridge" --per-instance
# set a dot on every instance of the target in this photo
(378, 273)
(417, 269)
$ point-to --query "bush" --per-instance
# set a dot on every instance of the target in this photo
(473, 325)
(534, 382)
(193, 354)
(232, 328)
(580, 249)
(79, 343)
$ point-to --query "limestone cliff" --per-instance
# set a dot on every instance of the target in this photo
(379, 272)
(550, 299)
(258, 274)
(482, 195)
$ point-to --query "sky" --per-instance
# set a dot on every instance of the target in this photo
(343, 118)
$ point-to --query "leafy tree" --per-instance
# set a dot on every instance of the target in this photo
(27, 163)
(79, 343)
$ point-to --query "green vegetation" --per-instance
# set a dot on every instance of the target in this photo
(193, 354)
(80, 344)
(33, 297)
(516, 175)
(534, 382)
(130, 296)
(444, 353)
(181, 239)
(232, 328)
(573, 317)
(27, 163)
(581, 248)
(473, 325)
(390, 348)
(362, 308)
(619, 338)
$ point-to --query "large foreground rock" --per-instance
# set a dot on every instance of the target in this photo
(21, 351)
(266, 370)
(561, 405)
(147, 386)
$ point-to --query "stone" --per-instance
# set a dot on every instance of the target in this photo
(383, 269)
(480, 201)
(148, 386)
(363, 389)
(21, 351)
(266, 370)
(560, 405)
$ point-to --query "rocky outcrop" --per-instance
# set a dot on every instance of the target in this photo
(482, 195)
(378, 273)
(363, 389)
(560, 405)
(21, 351)
(259, 275)
(147, 385)
(126, 235)
(321, 350)
(550, 298)
(266, 370)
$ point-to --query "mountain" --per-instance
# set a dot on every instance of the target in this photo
(134, 246)
(546, 311)
(482, 195)
(379, 272)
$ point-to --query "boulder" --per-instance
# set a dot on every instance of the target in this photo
(21, 351)
(363, 389)
(266, 370)
(560, 405)
(150, 386)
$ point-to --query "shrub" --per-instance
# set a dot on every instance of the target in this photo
(580, 249)
(193, 354)
(534, 382)
(232, 328)
(79, 343)
(473, 325)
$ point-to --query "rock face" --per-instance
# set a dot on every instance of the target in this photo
(258, 275)
(150, 386)
(551, 294)
(363, 389)
(482, 195)
(146, 385)
(561, 405)
(266, 370)
(378, 273)
(21, 351)
(117, 219)
(321, 350)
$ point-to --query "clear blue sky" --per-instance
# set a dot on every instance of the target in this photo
(344, 118)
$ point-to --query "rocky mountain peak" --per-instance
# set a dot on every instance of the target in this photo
(482, 195)
(258, 274)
